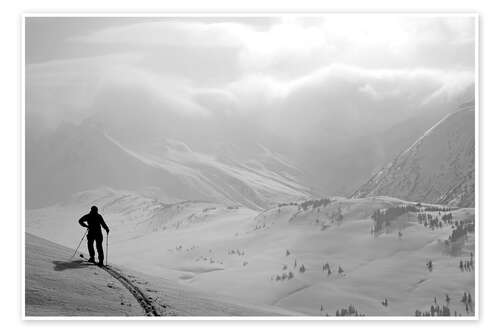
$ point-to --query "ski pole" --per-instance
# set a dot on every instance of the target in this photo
(85, 234)
(107, 236)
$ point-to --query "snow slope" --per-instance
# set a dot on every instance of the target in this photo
(78, 158)
(437, 168)
(59, 286)
(237, 253)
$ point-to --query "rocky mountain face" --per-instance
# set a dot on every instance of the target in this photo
(438, 168)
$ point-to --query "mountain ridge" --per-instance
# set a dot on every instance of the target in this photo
(436, 168)
(78, 158)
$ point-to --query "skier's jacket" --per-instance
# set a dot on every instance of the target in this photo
(94, 222)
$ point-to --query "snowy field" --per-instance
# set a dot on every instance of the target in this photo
(59, 286)
(293, 259)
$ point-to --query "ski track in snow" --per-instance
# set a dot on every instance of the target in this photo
(143, 300)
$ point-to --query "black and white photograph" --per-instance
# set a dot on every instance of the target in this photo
(263, 166)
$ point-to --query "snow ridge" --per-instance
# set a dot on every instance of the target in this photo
(437, 168)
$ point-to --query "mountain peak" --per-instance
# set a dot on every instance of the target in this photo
(436, 168)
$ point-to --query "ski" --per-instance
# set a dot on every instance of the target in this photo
(92, 263)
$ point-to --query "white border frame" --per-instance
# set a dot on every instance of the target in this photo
(104, 14)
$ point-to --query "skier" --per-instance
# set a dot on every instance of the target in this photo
(94, 222)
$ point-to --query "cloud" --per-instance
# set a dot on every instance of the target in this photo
(414, 85)
(169, 33)
(67, 90)
(388, 82)
(300, 78)
(333, 101)
(294, 46)
(344, 101)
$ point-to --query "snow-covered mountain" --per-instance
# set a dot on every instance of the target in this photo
(256, 257)
(437, 168)
(58, 287)
(78, 158)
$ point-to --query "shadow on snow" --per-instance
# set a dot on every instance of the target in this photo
(63, 265)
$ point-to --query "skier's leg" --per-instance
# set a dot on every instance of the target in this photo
(100, 251)
(90, 245)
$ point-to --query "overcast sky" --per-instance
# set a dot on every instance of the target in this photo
(347, 71)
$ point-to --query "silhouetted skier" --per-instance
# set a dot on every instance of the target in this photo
(94, 222)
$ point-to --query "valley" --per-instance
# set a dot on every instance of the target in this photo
(277, 257)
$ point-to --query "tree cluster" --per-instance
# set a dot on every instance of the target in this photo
(448, 218)
(467, 300)
(314, 203)
(383, 217)
(284, 204)
(467, 264)
(434, 311)
(436, 209)
(350, 311)
(460, 230)
(329, 270)
(429, 221)
(287, 273)
(284, 276)
(236, 252)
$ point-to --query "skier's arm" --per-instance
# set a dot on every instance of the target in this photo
(104, 225)
(83, 219)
